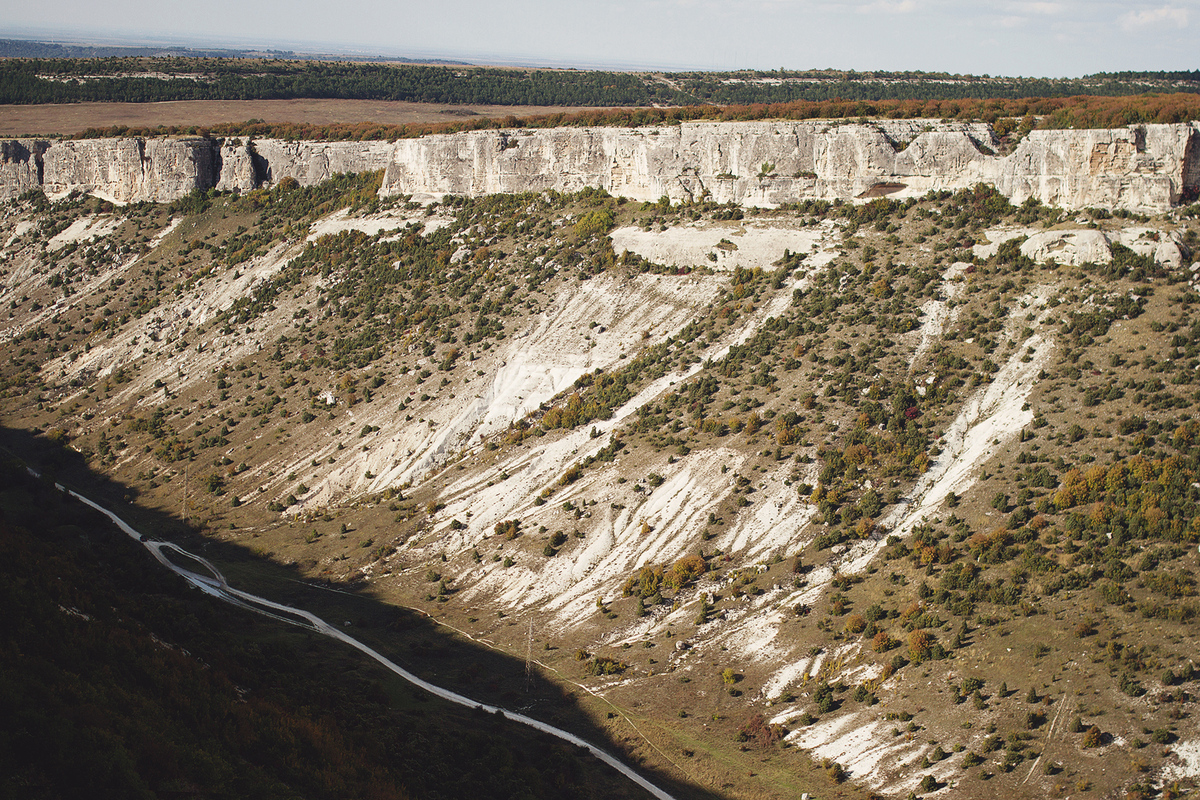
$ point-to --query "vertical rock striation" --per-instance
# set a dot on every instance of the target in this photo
(129, 170)
(20, 167)
(311, 163)
(1147, 168)
(1142, 168)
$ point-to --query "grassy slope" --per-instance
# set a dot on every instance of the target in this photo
(1017, 581)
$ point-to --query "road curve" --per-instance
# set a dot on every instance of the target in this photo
(216, 586)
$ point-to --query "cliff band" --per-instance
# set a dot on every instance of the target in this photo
(1144, 168)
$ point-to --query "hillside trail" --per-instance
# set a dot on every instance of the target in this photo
(215, 585)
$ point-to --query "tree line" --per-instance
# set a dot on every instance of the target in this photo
(140, 80)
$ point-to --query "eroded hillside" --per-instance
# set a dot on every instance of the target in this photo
(905, 488)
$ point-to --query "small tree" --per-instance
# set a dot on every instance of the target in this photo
(823, 697)
(920, 645)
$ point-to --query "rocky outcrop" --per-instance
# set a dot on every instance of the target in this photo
(20, 167)
(311, 163)
(1147, 168)
(1068, 247)
(129, 170)
(1072, 247)
(1141, 168)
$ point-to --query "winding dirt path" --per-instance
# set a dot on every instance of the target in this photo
(215, 585)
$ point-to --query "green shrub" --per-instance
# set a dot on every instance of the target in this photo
(598, 220)
(823, 698)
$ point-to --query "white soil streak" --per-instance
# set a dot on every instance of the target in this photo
(85, 229)
(676, 510)
(144, 339)
(373, 224)
(862, 744)
(796, 672)
(750, 632)
(1188, 764)
(20, 229)
(545, 359)
(165, 232)
(742, 243)
(23, 273)
(936, 314)
(775, 521)
(872, 755)
(991, 418)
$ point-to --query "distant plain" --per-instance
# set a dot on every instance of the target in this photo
(70, 118)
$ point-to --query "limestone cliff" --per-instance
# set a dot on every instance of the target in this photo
(313, 162)
(20, 167)
(1147, 168)
(1142, 168)
(129, 170)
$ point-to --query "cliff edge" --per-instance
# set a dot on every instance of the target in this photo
(1144, 168)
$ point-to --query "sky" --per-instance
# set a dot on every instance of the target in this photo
(1042, 38)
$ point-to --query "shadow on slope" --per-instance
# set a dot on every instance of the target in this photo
(118, 675)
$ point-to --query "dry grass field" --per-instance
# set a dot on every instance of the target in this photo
(67, 119)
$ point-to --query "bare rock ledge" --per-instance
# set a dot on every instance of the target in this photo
(1144, 168)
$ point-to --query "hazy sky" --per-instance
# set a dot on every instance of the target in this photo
(1060, 38)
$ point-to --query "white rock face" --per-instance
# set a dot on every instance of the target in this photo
(1142, 168)
(19, 171)
(128, 170)
(1068, 247)
(1087, 245)
(236, 168)
(755, 163)
(311, 163)
(1145, 168)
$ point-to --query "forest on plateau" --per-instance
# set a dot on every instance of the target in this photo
(145, 80)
